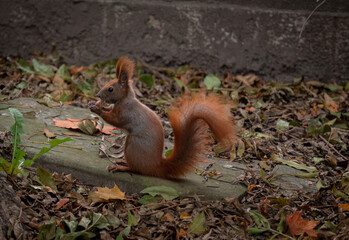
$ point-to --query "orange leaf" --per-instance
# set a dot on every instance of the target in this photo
(298, 225)
(76, 70)
(181, 233)
(74, 124)
(330, 104)
(344, 206)
(105, 194)
(250, 108)
(62, 202)
(185, 215)
(48, 133)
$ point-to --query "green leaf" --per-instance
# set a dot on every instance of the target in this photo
(307, 175)
(56, 142)
(211, 81)
(131, 220)
(47, 231)
(180, 83)
(72, 225)
(316, 160)
(276, 158)
(319, 185)
(280, 226)
(22, 85)
(63, 72)
(241, 148)
(25, 67)
(45, 178)
(18, 158)
(147, 79)
(254, 231)
(198, 224)
(84, 222)
(168, 152)
(295, 123)
(43, 69)
(257, 105)
(340, 194)
(17, 127)
(113, 221)
(52, 143)
(99, 221)
(7, 167)
(259, 219)
(168, 193)
(282, 125)
(146, 199)
(125, 232)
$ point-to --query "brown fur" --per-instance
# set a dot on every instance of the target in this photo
(190, 118)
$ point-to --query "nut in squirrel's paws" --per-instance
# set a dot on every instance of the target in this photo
(95, 106)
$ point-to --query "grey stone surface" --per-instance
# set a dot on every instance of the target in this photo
(285, 178)
(236, 36)
(89, 168)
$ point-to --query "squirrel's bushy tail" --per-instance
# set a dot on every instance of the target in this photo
(190, 118)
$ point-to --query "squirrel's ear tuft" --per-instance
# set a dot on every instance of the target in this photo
(124, 70)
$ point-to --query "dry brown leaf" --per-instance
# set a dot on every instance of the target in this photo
(330, 104)
(105, 194)
(71, 134)
(185, 215)
(62, 202)
(167, 218)
(74, 124)
(344, 206)
(298, 225)
(76, 70)
(48, 133)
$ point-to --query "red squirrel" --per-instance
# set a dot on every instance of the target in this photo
(190, 118)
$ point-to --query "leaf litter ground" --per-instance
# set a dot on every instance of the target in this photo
(303, 124)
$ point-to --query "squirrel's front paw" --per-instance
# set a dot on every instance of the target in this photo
(94, 106)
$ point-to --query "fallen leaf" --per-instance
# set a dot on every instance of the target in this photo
(62, 202)
(298, 225)
(74, 124)
(48, 133)
(181, 233)
(293, 164)
(185, 215)
(248, 80)
(131, 220)
(76, 70)
(330, 104)
(250, 108)
(168, 193)
(167, 218)
(105, 194)
(198, 224)
(344, 206)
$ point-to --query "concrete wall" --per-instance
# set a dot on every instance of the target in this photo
(219, 36)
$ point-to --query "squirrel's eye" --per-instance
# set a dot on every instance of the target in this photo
(110, 89)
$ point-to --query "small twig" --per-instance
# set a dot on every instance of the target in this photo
(35, 134)
(333, 148)
(308, 90)
(61, 145)
(154, 204)
(155, 72)
(160, 210)
(311, 14)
